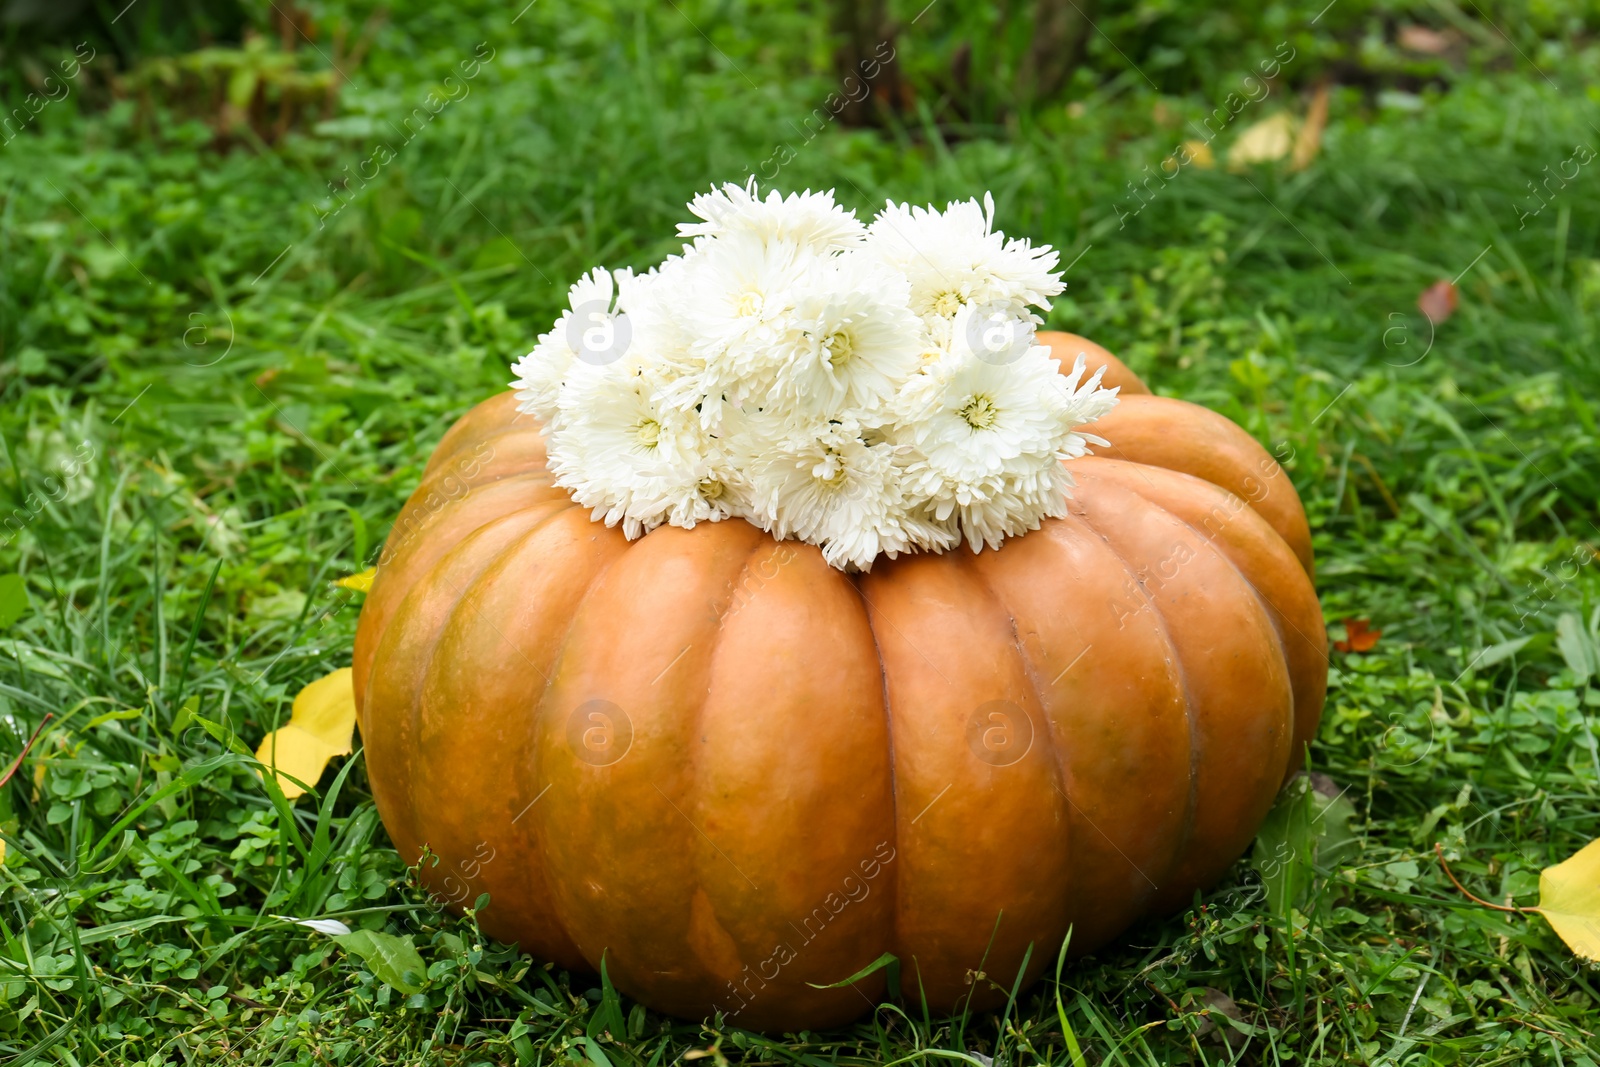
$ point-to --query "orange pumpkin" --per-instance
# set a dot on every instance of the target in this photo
(736, 774)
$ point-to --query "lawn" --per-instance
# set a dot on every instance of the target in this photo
(247, 282)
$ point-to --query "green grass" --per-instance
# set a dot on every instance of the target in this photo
(212, 407)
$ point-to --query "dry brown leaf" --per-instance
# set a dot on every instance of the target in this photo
(1422, 40)
(1218, 1002)
(1438, 301)
(1358, 638)
(1309, 141)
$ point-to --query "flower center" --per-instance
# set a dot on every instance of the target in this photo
(748, 304)
(648, 432)
(947, 304)
(841, 346)
(830, 471)
(711, 489)
(979, 412)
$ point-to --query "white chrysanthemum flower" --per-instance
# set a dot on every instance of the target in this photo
(988, 439)
(589, 330)
(739, 293)
(633, 461)
(828, 486)
(807, 218)
(871, 392)
(1087, 401)
(854, 340)
(956, 257)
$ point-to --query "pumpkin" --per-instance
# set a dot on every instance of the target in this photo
(733, 774)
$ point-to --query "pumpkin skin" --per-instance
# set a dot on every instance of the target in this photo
(734, 772)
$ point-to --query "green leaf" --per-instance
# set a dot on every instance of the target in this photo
(1074, 1049)
(1305, 829)
(596, 1054)
(888, 961)
(1493, 654)
(1578, 647)
(392, 960)
(607, 1018)
(13, 599)
(242, 87)
(358, 528)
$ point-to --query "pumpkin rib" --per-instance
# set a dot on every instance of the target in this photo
(634, 645)
(883, 687)
(527, 456)
(957, 805)
(1031, 674)
(1242, 694)
(408, 671)
(1053, 580)
(394, 556)
(692, 795)
(572, 621)
(1188, 701)
(1192, 797)
(1309, 678)
(397, 571)
(1274, 616)
(436, 738)
(890, 748)
(758, 790)
(469, 486)
(542, 851)
(422, 518)
(1165, 432)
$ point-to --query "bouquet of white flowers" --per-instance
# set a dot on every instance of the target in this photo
(865, 388)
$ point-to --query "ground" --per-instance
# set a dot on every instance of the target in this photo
(230, 339)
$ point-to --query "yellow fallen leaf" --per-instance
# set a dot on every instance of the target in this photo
(1265, 142)
(361, 583)
(1196, 153)
(321, 726)
(1569, 899)
(1200, 154)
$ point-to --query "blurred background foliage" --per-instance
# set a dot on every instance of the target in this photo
(963, 64)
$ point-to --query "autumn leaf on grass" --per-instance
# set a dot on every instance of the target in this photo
(1357, 637)
(361, 583)
(1569, 899)
(1199, 153)
(1308, 142)
(1265, 142)
(321, 726)
(1422, 40)
(1438, 301)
